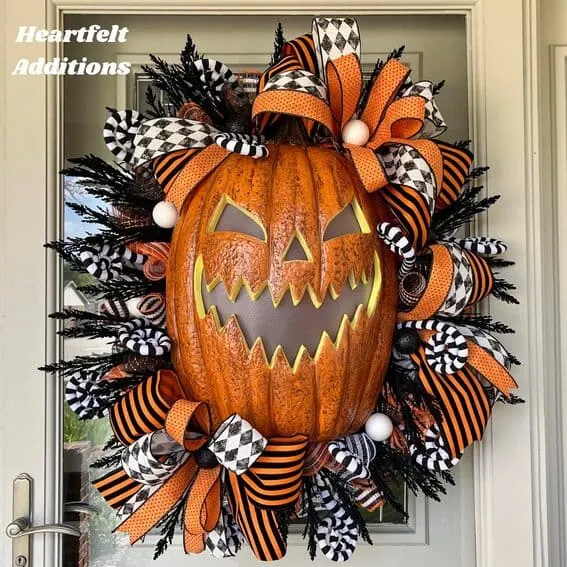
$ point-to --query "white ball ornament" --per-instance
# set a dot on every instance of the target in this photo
(379, 427)
(356, 132)
(165, 214)
(132, 305)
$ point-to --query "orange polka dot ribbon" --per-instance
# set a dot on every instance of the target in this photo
(173, 457)
(320, 80)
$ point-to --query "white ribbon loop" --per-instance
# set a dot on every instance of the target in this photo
(236, 444)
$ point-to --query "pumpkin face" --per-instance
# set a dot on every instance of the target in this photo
(281, 297)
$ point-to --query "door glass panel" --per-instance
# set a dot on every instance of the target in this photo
(435, 49)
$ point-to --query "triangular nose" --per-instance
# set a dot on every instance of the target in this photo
(296, 250)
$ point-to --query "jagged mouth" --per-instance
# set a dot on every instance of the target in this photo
(294, 325)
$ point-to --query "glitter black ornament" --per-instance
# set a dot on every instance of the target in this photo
(407, 341)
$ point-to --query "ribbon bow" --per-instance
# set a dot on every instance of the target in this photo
(173, 454)
(319, 79)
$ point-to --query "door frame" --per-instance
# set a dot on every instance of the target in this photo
(511, 510)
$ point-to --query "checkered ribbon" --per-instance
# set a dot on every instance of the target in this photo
(335, 38)
(153, 458)
(433, 121)
(165, 463)
(236, 444)
(225, 540)
(173, 454)
(457, 279)
(462, 283)
(486, 342)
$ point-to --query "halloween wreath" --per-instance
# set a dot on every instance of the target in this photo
(291, 308)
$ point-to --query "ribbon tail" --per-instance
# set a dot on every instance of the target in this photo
(462, 400)
(202, 510)
(139, 523)
(431, 153)
(260, 527)
(382, 92)
(116, 487)
(486, 365)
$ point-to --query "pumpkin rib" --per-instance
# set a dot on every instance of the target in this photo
(317, 412)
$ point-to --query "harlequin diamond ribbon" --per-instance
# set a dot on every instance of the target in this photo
(173, 454)
(458, 278)
(329, 91)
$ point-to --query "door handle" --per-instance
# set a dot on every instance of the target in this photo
(21, 527)
(80, 508)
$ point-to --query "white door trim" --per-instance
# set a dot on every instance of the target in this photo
(499, 64)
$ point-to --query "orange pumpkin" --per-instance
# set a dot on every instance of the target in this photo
(281, 297)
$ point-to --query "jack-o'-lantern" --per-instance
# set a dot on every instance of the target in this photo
(281, 297)
(255, 377)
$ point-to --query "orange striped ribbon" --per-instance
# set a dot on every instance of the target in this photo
(272, 483)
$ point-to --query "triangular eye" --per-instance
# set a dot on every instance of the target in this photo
(232, 218)
(349, 221)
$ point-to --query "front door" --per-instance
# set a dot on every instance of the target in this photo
(431, 534)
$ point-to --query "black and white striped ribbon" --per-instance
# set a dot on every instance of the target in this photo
(446, 351)
(102, 262)
(244, 144)
(214, 74)
(83, 394)
(142, 338)
(119, 131)
(483, 245)
(133, 259)
(337, 533)
(354, 453)
(398, 243)
(436, 457)
(116, 308)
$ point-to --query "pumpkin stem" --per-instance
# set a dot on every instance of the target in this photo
(289, 130)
